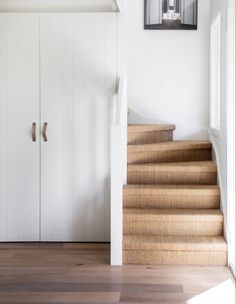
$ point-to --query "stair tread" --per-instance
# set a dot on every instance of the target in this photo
(150, 128)
(134, 189)
(171, 186)
(184, 243)
(172, 214)
(171, 145)
(196, 166)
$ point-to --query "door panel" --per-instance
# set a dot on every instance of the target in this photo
(78, 82)
(19, 108)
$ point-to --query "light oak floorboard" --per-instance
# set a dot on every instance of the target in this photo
(42, 273)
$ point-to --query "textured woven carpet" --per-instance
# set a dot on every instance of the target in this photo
(172, 201)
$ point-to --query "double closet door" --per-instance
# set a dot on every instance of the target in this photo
(57, 85)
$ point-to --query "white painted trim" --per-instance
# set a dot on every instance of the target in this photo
(215, 72)
(231, 133)
(121, 46)
(116, 196)
(122, 77)
(121, 120)
(121, 5)
(213, 139)
(232, 269)
(119, 145)
(58, 6)
(120, 102)
(216, 132)
(118, 172)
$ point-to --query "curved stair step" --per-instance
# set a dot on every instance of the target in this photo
(171, 196)
(175, 151)
(150, 128)
(198, 172)
(145, 134)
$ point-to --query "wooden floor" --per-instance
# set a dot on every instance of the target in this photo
(80, 273)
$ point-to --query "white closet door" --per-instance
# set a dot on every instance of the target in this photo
(19, 108)
(78, 82)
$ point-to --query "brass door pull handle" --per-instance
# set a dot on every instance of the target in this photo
(45, 125)
(33, 131)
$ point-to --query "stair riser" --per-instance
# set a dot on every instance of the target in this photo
(140, 138)
(168, 156)
(172, 201)
(176, 178)
(191, 228)
(214, 258)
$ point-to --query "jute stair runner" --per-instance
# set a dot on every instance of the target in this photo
(145, 134)
(199, 172)
(172, 201)
(179, 151)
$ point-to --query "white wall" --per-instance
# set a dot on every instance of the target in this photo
(220, 141)
(168, 72)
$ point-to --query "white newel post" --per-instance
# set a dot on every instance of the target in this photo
(118, 172)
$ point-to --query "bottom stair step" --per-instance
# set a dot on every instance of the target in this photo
(175, 250)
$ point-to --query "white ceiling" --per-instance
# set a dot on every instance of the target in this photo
(58, 5)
